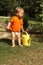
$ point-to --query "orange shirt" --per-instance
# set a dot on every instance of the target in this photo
(16, 24)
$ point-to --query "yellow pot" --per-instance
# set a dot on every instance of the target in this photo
(26, 39)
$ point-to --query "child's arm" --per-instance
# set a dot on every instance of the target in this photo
(22, 28)
(8, 25)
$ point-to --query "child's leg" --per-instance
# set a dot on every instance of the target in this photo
(19, 39)
(13, 39)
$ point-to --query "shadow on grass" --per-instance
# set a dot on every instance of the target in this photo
(4, 40)
(8, 41)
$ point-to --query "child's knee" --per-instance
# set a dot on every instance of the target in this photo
(18, 36)
(13, 37)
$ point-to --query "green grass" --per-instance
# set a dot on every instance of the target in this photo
(32, 55)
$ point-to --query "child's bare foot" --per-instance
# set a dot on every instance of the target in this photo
(13, 45)
(20, 45)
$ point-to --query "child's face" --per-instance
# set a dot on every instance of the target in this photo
(20, 14)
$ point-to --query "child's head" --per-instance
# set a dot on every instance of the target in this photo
(19, 11)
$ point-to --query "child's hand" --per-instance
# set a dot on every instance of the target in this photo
(8, 25)
(7, 28)
(24, 31)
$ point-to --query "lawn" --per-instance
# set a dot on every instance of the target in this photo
(26, 55)
(32, 55)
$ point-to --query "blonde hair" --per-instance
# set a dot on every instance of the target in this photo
(19, 9)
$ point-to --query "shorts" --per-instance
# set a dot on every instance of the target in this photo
(16, 33)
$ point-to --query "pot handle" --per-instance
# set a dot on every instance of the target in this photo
(25, 33)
